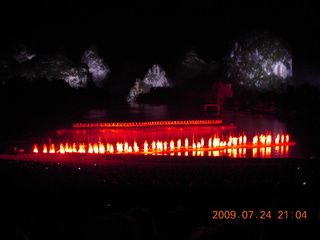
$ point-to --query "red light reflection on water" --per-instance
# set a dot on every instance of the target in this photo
(179, 141)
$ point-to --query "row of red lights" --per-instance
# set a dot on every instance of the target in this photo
(241, 152)
(146, 124)
(213, 143)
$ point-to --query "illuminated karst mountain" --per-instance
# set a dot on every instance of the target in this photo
(155, 78)
(261, 62)
(97, 68)
(29, 65)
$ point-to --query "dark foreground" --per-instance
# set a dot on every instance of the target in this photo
(158, 198)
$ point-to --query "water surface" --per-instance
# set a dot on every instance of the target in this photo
(248, 123)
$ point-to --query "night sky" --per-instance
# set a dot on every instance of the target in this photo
(142, 33)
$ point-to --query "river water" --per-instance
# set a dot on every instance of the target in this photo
(245, 122)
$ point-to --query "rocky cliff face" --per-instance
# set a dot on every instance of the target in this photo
(260, 62)
(29, 65)
(97, 68)
(155, 78)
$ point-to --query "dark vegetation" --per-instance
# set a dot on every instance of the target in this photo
(26, 104)
(301, 102)
(297, 104)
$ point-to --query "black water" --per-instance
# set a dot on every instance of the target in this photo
(39, 196)
(304, 135)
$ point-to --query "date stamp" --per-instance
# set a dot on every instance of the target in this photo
(259, 215)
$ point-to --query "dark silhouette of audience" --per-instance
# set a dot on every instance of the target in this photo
(156, 201)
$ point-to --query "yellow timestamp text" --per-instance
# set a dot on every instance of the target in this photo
(260, 214)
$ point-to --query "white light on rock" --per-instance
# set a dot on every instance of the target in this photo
(155, 78)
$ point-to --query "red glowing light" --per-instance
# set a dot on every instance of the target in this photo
(148, 124)
(35, 148)
(52, 148)
(45, 148)
(214, 146)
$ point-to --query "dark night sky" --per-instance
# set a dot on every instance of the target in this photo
(150, 32)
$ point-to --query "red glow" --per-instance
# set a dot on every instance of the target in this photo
(45, 148)
(52, 148)
(35, 148)
(147, 124)
(213, 145)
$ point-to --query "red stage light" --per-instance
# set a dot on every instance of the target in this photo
(216, 145)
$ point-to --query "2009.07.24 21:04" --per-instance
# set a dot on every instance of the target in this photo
(263, 214)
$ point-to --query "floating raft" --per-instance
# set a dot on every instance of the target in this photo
(148, 124)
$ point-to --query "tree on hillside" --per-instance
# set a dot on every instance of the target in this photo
(259, 62)
(98, 69)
